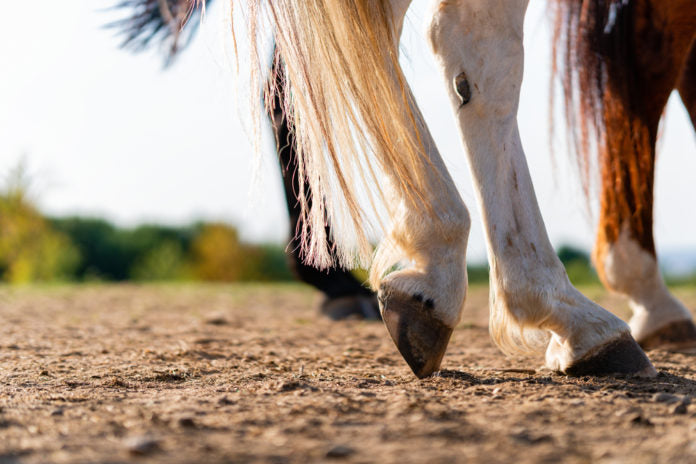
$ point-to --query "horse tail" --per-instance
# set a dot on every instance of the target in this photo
(594, 61)
(168, 23)
(353, 115)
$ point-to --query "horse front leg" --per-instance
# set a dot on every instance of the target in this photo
(422, 300)
(478, 44)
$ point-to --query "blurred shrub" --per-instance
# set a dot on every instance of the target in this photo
(33, 248)
(578, 265)
(477, 273)
(217, 254)
(30, 250)
(165, 262)
(112, 253)
(267, 263)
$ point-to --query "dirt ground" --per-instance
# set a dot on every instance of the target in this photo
(253, 374)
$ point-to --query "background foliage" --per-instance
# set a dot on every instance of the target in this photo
(34, 248)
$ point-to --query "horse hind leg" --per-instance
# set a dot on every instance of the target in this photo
(478, 44)
(687, 83)
(625, 251)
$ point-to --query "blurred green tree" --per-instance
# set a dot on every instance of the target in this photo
(165, 262)
(578, 266)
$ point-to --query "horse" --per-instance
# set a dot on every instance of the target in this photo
(359, 133)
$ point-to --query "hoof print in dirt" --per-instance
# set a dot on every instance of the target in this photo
(621, 356)
(676, 336)
(420, 337)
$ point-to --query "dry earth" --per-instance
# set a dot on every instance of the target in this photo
(252, 374)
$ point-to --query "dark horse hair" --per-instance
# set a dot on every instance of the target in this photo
(594, 59)
(159, 21)
(618, 61)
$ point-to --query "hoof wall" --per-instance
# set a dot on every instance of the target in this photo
(676, 336)
(620, 356)
(420, 337)
(351, 307)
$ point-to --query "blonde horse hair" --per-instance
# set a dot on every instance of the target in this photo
(352, 112)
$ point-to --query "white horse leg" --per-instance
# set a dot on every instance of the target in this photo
(422, 303)
(478, 44)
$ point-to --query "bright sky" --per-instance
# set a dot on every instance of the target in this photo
(108, 133)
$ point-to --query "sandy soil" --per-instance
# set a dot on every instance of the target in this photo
(252, 374)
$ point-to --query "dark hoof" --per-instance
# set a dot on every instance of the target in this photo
(351, 307)
(420, 337)
(620, 356)
(676, 336)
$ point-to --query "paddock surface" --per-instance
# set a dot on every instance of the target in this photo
(252, 374)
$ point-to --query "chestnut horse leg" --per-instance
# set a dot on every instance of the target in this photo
(625, 250)
(687, 83)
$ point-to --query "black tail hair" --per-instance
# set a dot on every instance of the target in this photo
(168, 24)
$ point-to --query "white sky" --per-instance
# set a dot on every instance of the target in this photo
(112, 134)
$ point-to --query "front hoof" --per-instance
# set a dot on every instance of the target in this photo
(420, 337)
(675, 336)
(619, 356)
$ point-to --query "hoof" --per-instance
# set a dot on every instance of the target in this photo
(351, 307)
(676, 336)
(620, 356)
(420, 337)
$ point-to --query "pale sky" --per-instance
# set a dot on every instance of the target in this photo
(109, 133)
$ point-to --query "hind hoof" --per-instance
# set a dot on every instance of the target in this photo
(351, 307)
(420, 337)
(620, 356)
(675, 336)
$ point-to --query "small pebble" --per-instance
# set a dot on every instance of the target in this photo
(142, 445)
(340, 451)
(217, 320)
(630, 411)
(638, 419)
(187, 422)
(681, 408)
(57, 412)
(665, 398)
